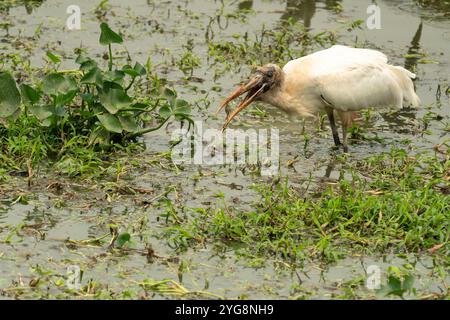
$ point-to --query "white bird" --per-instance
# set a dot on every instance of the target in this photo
(339, 79)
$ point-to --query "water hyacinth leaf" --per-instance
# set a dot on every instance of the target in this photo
(165, 111)
(41, 112)
(15, 115)
(114, 76)
(98, 109)
(110, 122)
(122, 239)
(52, 83)
(65, 99)
(82, 59)
(53, 58)
(88, 65)
(29, 95)
(9, 95)
(181, 103)
(107, 85)
(130, 71)
(140, 69)
(129, 123)
(93, 76)
(140, 105)
(182, 107)
(169, 93)
(107, 36)
(55, 84)
(114, 100)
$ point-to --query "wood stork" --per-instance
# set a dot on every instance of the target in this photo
(339, 80)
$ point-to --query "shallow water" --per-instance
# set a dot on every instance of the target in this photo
(159, 30)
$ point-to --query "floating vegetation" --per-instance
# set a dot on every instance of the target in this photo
(394, 203)
(84, 188)
(70, 114)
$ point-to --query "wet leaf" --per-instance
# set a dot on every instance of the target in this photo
(114, 76)
(94, 76)
(54, 58)
(9, 95)
(114, 100)
(165, 111)
(107, 36)
(122, 239)
(140, 69)
(41, 112)
(182, 107)
(170, 94)
(129, 123)
(82, 59)
(110, 122)
(65, 99)
(55, 84)
(88, 65)
(29, 95)
(130, 71)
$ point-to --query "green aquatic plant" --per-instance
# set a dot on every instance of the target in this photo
(90, 106)
(279, 45)
(400, 281)
(395, 203)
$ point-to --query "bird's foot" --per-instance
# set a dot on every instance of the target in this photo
(341, 146)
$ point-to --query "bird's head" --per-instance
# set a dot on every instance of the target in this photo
(263, 80)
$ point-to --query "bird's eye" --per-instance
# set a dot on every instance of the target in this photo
(269, 74)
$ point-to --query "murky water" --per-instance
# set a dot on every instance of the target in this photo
(160, 29)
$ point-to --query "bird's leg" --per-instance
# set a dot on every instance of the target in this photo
(344, 136)
(346, 120)
(330, 115)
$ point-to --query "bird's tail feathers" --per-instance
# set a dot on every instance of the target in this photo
(410, 97)
(409, 73)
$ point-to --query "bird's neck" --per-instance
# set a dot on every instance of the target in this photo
(279, 97)
(289, 97)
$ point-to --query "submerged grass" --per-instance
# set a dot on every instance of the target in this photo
(390, 203)
(397, 204)
(288, 41)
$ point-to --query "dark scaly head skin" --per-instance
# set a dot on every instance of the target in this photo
(264, 79)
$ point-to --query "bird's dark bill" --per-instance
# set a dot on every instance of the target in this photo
(251, 96)
(254, 87)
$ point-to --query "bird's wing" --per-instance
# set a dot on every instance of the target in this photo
(336, 55)
(350, 79)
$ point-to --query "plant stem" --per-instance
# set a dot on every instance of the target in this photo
(140, 133)
(131, 83)
(110, 65)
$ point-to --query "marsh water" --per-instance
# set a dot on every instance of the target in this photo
(163, 30)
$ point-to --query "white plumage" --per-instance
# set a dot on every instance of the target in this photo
(339, 79)
(352, 79)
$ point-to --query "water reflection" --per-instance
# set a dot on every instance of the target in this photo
(412, 56)
(407, 116)
(305, 10)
